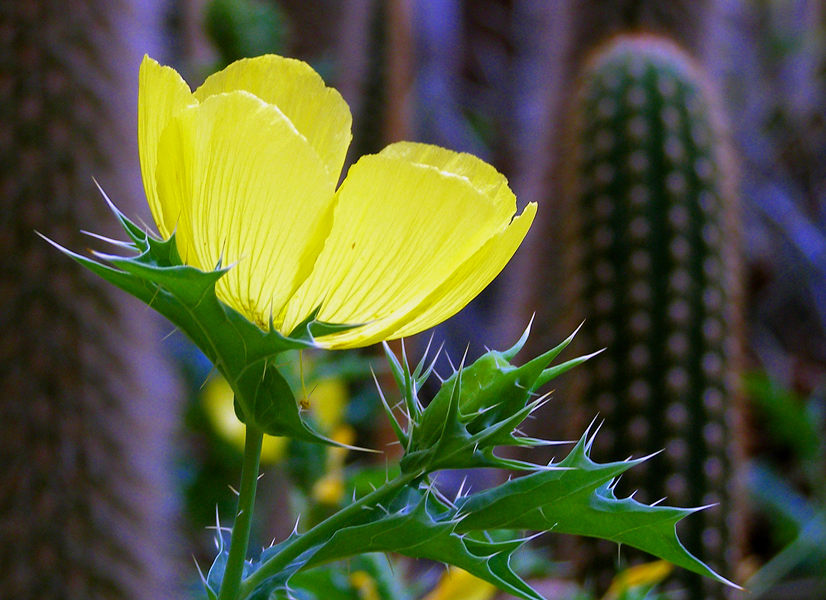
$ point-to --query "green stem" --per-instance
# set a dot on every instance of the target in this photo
(239, 542)
(322, 532)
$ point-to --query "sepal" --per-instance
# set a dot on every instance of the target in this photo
(213, 578)
(244, 353)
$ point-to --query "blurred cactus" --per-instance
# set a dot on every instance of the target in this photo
(651, 261)
(83, 425)
(594, 22)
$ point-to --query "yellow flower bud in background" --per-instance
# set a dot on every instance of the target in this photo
(458, 584)
(329, 489)
(645, 575)
(219, 409)
(328, 401)
(364, 585)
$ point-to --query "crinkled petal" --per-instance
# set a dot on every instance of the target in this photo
(480, 174)
(255, 195)
(400, 230)
(318, 112)
(454, 293)
(162, 94)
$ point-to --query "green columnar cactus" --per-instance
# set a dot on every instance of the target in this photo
(651, 268)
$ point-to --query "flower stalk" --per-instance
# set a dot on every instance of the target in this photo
(243, 515)
(323, 531)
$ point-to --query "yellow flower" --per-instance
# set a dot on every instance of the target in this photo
(645, 575)
(365, 585)
(458, 584)
(217, 397)
(244, 172)
(329, 489)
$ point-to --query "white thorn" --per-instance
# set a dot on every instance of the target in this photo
(168, 335)
(450, 362)
(200, 572)
(462, 488)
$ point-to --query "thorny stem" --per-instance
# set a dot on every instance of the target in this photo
(239, 542)
(322, 532)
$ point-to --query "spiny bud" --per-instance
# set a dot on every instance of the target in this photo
(479, 408)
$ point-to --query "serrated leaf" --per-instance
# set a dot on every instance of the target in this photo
(579, 500)
(327, 583)
(360, 578)
(277, 582)
(239, 349)
(574, 497)
(417, 525)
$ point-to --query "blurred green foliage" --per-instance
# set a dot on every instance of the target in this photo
(791, 493)
(245, 28)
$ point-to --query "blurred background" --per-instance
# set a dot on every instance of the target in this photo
(677, 151)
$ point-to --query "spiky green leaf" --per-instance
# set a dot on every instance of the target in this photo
(578, 499)
(239, 349)
(417, 525)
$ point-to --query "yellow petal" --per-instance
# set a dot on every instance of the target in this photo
(480, 174)
(253, 192)
(473, 276)
(401, 229)
(454, 293)
(162, 94)
(319, 113)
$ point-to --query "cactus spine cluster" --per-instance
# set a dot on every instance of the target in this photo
(651, 268)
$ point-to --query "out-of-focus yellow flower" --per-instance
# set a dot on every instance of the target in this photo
(328, 401)
(364, 585)
(244, 172)
(329, 489)
(458, 584)
(644, 575)
(217, 398)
